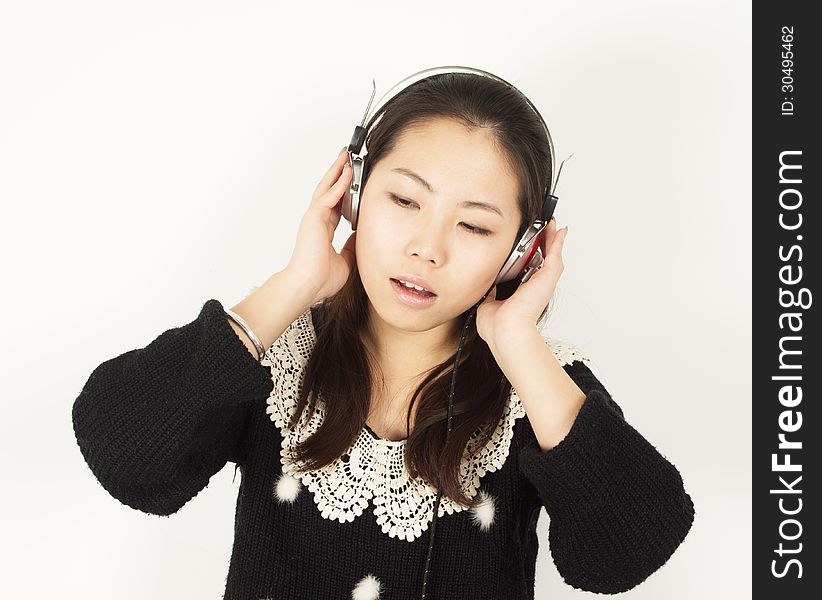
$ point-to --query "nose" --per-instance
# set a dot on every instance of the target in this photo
(428, 243)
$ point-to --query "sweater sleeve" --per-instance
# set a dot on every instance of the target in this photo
(156, 423)
(618, 508)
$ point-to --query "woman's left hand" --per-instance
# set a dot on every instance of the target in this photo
(520, 312)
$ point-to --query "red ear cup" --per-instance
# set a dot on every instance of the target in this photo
(524, 258)
(533, 260)
(522, 263)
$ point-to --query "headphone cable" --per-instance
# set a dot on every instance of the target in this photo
(447, 435)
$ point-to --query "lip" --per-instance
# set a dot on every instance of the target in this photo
(416, 280)
(410, 298)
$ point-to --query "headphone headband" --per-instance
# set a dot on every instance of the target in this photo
(358, 141)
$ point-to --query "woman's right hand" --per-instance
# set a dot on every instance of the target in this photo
(314, 262)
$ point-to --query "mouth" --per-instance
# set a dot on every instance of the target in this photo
(412, 296)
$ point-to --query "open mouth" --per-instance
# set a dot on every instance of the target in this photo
(412, 290)
(412, 297)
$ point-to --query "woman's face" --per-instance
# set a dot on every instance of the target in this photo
(409, 227)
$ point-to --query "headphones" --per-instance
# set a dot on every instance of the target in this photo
(525, 256)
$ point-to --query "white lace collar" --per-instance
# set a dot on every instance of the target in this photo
(374, 468)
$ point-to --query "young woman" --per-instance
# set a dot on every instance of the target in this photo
(332, 387)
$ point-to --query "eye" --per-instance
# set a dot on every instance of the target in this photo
(408, 203)
(477, 230)
(401, 201)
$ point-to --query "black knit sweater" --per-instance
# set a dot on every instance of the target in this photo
(154, 424)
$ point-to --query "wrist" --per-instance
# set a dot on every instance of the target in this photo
(302, 295)
(513, 338)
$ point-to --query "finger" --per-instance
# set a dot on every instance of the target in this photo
(332, 196)
(343, 181)
(333, 171)
(551, 233)
(555, 251)
(556, 232)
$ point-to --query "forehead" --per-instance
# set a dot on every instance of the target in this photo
(458, 163)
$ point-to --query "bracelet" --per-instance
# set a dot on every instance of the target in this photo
(244, 326)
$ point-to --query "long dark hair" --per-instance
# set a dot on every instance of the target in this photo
(343, 370)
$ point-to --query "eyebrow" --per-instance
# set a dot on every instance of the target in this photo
(466, 203)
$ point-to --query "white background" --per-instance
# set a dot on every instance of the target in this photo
(154, 155)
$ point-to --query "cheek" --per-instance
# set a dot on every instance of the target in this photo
(477, 275)
(487, 269)
(375, 242)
